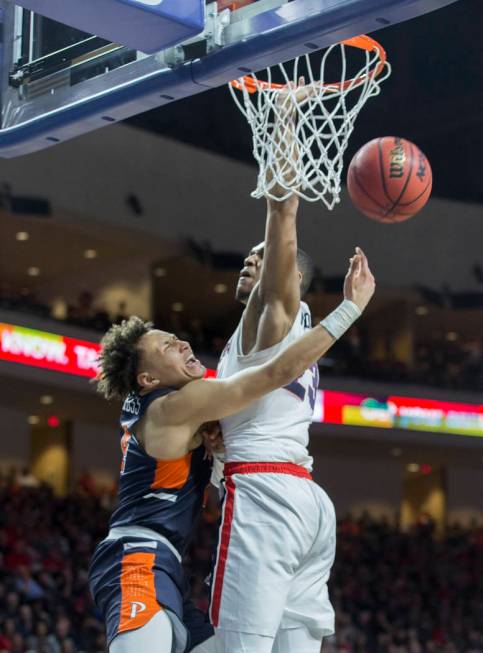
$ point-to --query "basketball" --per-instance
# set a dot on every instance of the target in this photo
(389, 179)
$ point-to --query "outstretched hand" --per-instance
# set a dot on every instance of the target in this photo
(359, 283)
(292, 96)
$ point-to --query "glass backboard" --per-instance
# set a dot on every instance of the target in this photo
(59, 82)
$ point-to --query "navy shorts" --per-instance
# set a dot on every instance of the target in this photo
(131, 579)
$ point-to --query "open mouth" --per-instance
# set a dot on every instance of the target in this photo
(192, 362)
(244, 275)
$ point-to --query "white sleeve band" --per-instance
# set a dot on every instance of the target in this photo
(344, 316)
(217, 470)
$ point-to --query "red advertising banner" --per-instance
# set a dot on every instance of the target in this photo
(48, 350)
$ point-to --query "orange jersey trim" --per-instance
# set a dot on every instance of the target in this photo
(138, 592)
(172, 474)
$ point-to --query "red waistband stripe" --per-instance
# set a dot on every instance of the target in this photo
(267, 468)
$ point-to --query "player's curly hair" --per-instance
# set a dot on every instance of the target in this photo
(119, 358)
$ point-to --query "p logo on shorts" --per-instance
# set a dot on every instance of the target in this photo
(136, 607)
(137, 582)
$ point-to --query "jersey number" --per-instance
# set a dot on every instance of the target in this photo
(307, 389)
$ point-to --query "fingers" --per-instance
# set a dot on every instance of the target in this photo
(355, 264)
(351, 265)
(361, 254)
(365, 263)
(358, 266)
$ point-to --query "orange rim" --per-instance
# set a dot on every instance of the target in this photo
(362, 42)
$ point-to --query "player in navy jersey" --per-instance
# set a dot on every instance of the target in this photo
(136, 575)
(137, 567)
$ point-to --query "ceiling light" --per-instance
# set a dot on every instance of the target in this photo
(22, 235)
(421, 310)
(159, 272)
(33, 419)
(90, 253)
(413, 467)
(221, 288)
(451, 336)
(33, 271)
(177, 307)
(46, 400)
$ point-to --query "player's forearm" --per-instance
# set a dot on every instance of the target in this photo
(216, 399)
(299, 356)
(286, 154)
(253, 383)
(279, 278)
(304, 352)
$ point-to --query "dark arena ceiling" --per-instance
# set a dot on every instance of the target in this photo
(434, 98)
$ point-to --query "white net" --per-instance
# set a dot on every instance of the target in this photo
(301, 130)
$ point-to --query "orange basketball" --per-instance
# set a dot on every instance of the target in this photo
(389, 179)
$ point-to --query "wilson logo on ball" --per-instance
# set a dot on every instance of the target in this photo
(397, 161)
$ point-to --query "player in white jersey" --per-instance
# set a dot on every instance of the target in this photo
(277, 538)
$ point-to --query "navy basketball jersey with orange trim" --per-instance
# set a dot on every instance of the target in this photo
(163, 495)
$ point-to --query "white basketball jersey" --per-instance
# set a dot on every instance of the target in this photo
(276, 427)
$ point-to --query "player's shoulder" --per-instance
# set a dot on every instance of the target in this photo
(149, 405)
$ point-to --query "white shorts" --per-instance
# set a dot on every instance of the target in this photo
(276, 549)
(287, 640)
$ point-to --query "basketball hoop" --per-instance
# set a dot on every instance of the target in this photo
(299, 143)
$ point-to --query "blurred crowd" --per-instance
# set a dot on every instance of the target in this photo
(45, 549)
(439, 362)
(82, 311)
(397, 592)
(393, 592)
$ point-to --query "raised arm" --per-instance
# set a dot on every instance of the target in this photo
(275, 301)
(200, 401)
